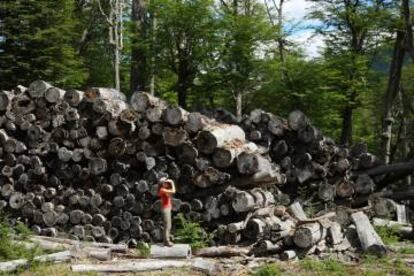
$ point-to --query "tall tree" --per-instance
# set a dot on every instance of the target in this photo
(246, 34)
(139, 52)
(353, 29)
(403, 44)
(114, 16)
(37, 42)
(185, 33)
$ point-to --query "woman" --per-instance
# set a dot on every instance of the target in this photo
(167, 189)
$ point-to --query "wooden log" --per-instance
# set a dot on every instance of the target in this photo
(196, 121)
(187, 153)
(297, 120)
(53, 258)
(99, 93)
(224, 157)
(209, 177)
(216, 136)
(73, 97)
(141, 101)
(54, 94)
(5, 100)
(174, 136)
(243, 202)
(97, 166)
(175, 115)
(288, 255)
(383, 207)
(176, 251)
(221, 251)
(309, 234)
(296, 210)
(370, 241)
(335, 233)
(210, 267)
(327, 192)
(38, 88)
(268, 247)
(22, 104)
(405, 230)
(100, 254)
(364, 185)
(251, 163)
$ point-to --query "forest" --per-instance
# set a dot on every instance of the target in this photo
(233, 54)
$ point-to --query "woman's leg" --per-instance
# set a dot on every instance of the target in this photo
(166, 213)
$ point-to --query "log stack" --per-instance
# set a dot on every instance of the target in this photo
(87, 163)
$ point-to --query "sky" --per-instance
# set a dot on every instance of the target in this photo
(295, 11)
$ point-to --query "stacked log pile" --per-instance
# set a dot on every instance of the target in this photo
(314, 166)
(87, 163)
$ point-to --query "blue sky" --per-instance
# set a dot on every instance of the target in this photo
(295, 11)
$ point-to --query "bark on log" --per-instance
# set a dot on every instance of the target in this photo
(209, 267)
(38, 88)
(221, 251)
(178, 251)
(251, 163)
(370, 241)
(405, 230)
(309, 234)
(175, 115)
(224, 157)
(217, 136)
(54, 258)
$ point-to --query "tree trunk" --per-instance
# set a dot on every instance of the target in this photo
(176, 251)
(392, 91)
(346, 134)
(370, 240)
(138, 56)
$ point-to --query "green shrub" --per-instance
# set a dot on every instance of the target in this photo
(144, 249)
(406, 250)
(268, 270)
(191, 233)
(9, 248)
(323, 267)
(389, 235)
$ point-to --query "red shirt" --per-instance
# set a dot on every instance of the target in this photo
(165, 199)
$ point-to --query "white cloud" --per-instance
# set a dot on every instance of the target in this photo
(312, 44)
(296, 9)
(295, 12)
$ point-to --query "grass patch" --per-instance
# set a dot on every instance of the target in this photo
(143, 249)
(406, 250)
(323, 267)
(389, 235)
(9, 248)
(373, 266)
(269, 270)
(191, 233)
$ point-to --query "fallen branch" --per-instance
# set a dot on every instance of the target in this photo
(209, 267)
(222, 251)
(54, 257)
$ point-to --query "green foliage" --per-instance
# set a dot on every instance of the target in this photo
(143, 249)
(385, 266)
(323, 267)
(9, 248)
(37, 43)
(406, 250)
(389, 235)
(191, 233)
(268, 270)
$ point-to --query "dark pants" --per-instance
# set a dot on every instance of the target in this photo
(166, 215)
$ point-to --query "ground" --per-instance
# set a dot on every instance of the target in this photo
(399, 262)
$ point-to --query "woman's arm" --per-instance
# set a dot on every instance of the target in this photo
(171, 190)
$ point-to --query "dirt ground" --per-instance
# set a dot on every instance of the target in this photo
(399, 262)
